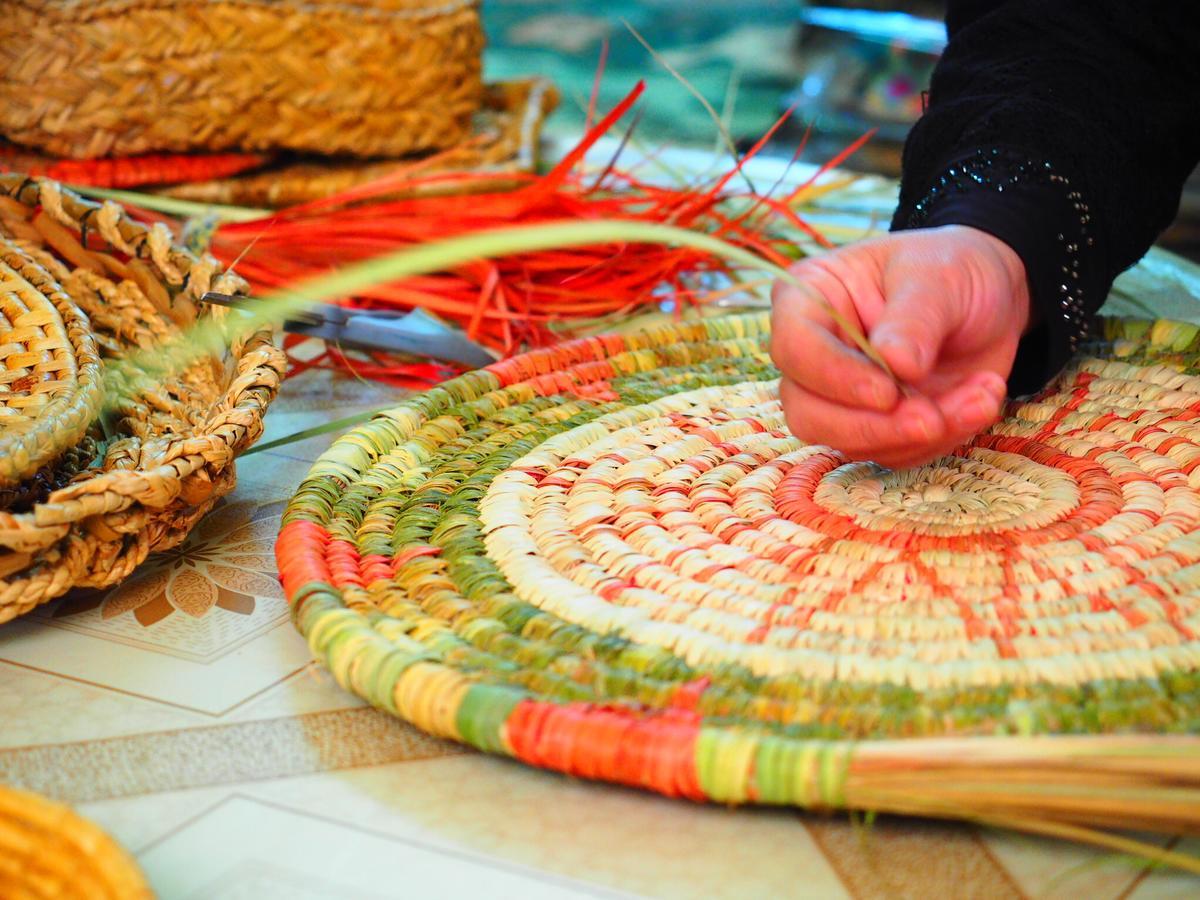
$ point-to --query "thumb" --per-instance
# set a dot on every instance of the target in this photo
(918, 317)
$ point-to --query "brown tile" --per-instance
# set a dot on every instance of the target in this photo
(896, 859)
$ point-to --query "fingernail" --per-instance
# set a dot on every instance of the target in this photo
(996, 387)
(979, 408)
(869, 393)
(920, 430)
(899, 345)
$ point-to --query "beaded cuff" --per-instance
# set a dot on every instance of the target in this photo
(1039, 213)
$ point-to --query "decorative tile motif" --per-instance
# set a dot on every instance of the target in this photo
(198, 601)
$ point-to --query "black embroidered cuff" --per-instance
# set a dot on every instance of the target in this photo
(1037, 212)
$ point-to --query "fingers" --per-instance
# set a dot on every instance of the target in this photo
(809, 348)
(920, 315)
(917, 430)
(913, 424)
(973, 405)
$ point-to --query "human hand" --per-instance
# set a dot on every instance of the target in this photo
(944, 307)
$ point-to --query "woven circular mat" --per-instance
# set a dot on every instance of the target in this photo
(612, 559)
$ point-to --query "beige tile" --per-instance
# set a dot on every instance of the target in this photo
(210, 688)
(137, 822)
(316, 398)
(1049, 869)
(37, 708)
(244, 847)
(309, 691)
(1171, 884)
(234, 753)
(270, 476)
(624, 839)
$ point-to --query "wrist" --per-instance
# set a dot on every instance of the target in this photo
(1014, 277)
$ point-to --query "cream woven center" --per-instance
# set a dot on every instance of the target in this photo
(698, 524)
(955, 495)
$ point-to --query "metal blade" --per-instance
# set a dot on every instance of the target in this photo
(417, 334)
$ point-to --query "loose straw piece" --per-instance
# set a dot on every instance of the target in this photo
(438, 256)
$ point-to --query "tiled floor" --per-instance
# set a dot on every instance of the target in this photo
(180, 712)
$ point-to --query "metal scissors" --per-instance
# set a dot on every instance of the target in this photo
(414, 333)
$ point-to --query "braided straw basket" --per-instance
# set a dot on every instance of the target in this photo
(92, 78)
(612, 560)
(103, 464)
(47, 852)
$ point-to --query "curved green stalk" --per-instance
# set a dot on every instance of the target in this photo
(440, 255)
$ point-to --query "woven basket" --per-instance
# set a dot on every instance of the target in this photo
(47, 852)
(87, 492)
(505, 139)
(99, 78)
(610, 559)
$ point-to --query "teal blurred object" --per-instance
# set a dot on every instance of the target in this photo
(714, 43)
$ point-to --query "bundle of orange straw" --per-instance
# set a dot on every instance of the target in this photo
(510, 304)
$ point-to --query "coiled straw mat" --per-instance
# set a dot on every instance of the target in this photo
(612, 560)
(102, 463)
(92, 78)
(47, 852)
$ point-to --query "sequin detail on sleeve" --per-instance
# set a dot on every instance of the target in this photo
(1000, 171)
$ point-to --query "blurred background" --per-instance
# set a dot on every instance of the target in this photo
(846, 66)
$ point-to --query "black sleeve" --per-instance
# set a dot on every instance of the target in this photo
(1067, 129)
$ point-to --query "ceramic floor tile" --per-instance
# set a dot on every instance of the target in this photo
(1052, 869)
(314, 399)
(623, 839)
(311, 690)
(36, 708)
(137, 822)
(1171, 884)
(210, 688)
(245, 847)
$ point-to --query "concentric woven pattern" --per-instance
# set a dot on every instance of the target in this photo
(47, 852)
(612, 559)
(50, 379)
(106, 478)
(95, 78)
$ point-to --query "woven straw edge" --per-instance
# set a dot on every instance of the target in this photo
(523, 104)
(94, 850)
